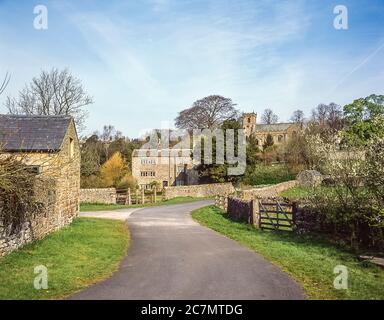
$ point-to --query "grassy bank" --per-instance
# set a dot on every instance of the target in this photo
(309, 260)
(86, 252)
(297, 193)
(268, 174)
(85, 207)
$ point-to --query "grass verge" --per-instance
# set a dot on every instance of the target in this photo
(86, 207)
(297, 193)
(87, 251)
(308, 259)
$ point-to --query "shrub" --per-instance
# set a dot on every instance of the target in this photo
(352, 207)
(93, 181)
(113, 170)
(272, 174)
(127, 182)
(17, 199)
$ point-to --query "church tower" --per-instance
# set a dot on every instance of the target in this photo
(249, 123)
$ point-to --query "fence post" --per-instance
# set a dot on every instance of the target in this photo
(225, 203)
(154, 194)
(256, 213)
(294, 215)
(128, 200)
(142, 196)
(137, 196)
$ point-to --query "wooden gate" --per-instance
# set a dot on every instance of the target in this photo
(276, 214)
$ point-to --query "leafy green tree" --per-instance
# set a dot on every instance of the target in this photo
(362, 117)
(253, 152)
(209, 173)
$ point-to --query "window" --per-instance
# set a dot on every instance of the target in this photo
(148, 161)
(71, 148)
(147, 173)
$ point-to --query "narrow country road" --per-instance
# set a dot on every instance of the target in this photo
(173, 257)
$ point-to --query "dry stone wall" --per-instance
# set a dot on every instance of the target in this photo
(202, 190)
(104, 195)
(267, 192)
(51, 217)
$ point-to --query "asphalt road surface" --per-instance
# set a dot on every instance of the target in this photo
(173, 257)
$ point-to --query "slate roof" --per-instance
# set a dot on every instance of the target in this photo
(272, 127)
(32, 133)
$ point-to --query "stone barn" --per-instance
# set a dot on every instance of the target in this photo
(49, 146)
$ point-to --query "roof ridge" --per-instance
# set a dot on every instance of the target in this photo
(64, 116)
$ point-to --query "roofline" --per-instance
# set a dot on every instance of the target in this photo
(5, 150)
(77, 136)
(36, 116)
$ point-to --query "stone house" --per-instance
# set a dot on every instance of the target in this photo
(280, 132)
(167, 167)
(49, 146)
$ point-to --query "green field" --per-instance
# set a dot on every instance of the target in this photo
(308, 259)
(86, 207)
(87, 251)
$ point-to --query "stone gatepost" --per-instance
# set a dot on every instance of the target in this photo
(137, 196)
(128, 200)
(154, 194)
(142, 196)
(256, 213)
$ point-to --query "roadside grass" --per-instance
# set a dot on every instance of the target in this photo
(86, 207)
(268, 174)
(308, 259)
(87, 251)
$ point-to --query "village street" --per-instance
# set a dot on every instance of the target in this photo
(173, 257)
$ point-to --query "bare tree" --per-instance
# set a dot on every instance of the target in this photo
(52, 93)
(269, 117)
(329, 116)
(209, 112)
(108, 133)
(5, 82)
(298, 117)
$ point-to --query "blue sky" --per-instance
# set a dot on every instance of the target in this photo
(143, 61)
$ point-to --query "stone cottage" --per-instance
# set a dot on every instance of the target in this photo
(49, 146)
(167, 167)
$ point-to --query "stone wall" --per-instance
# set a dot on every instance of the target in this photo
(105, 195)
(39, 224)
(239, 209)
(202, 190)
(267, 192)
